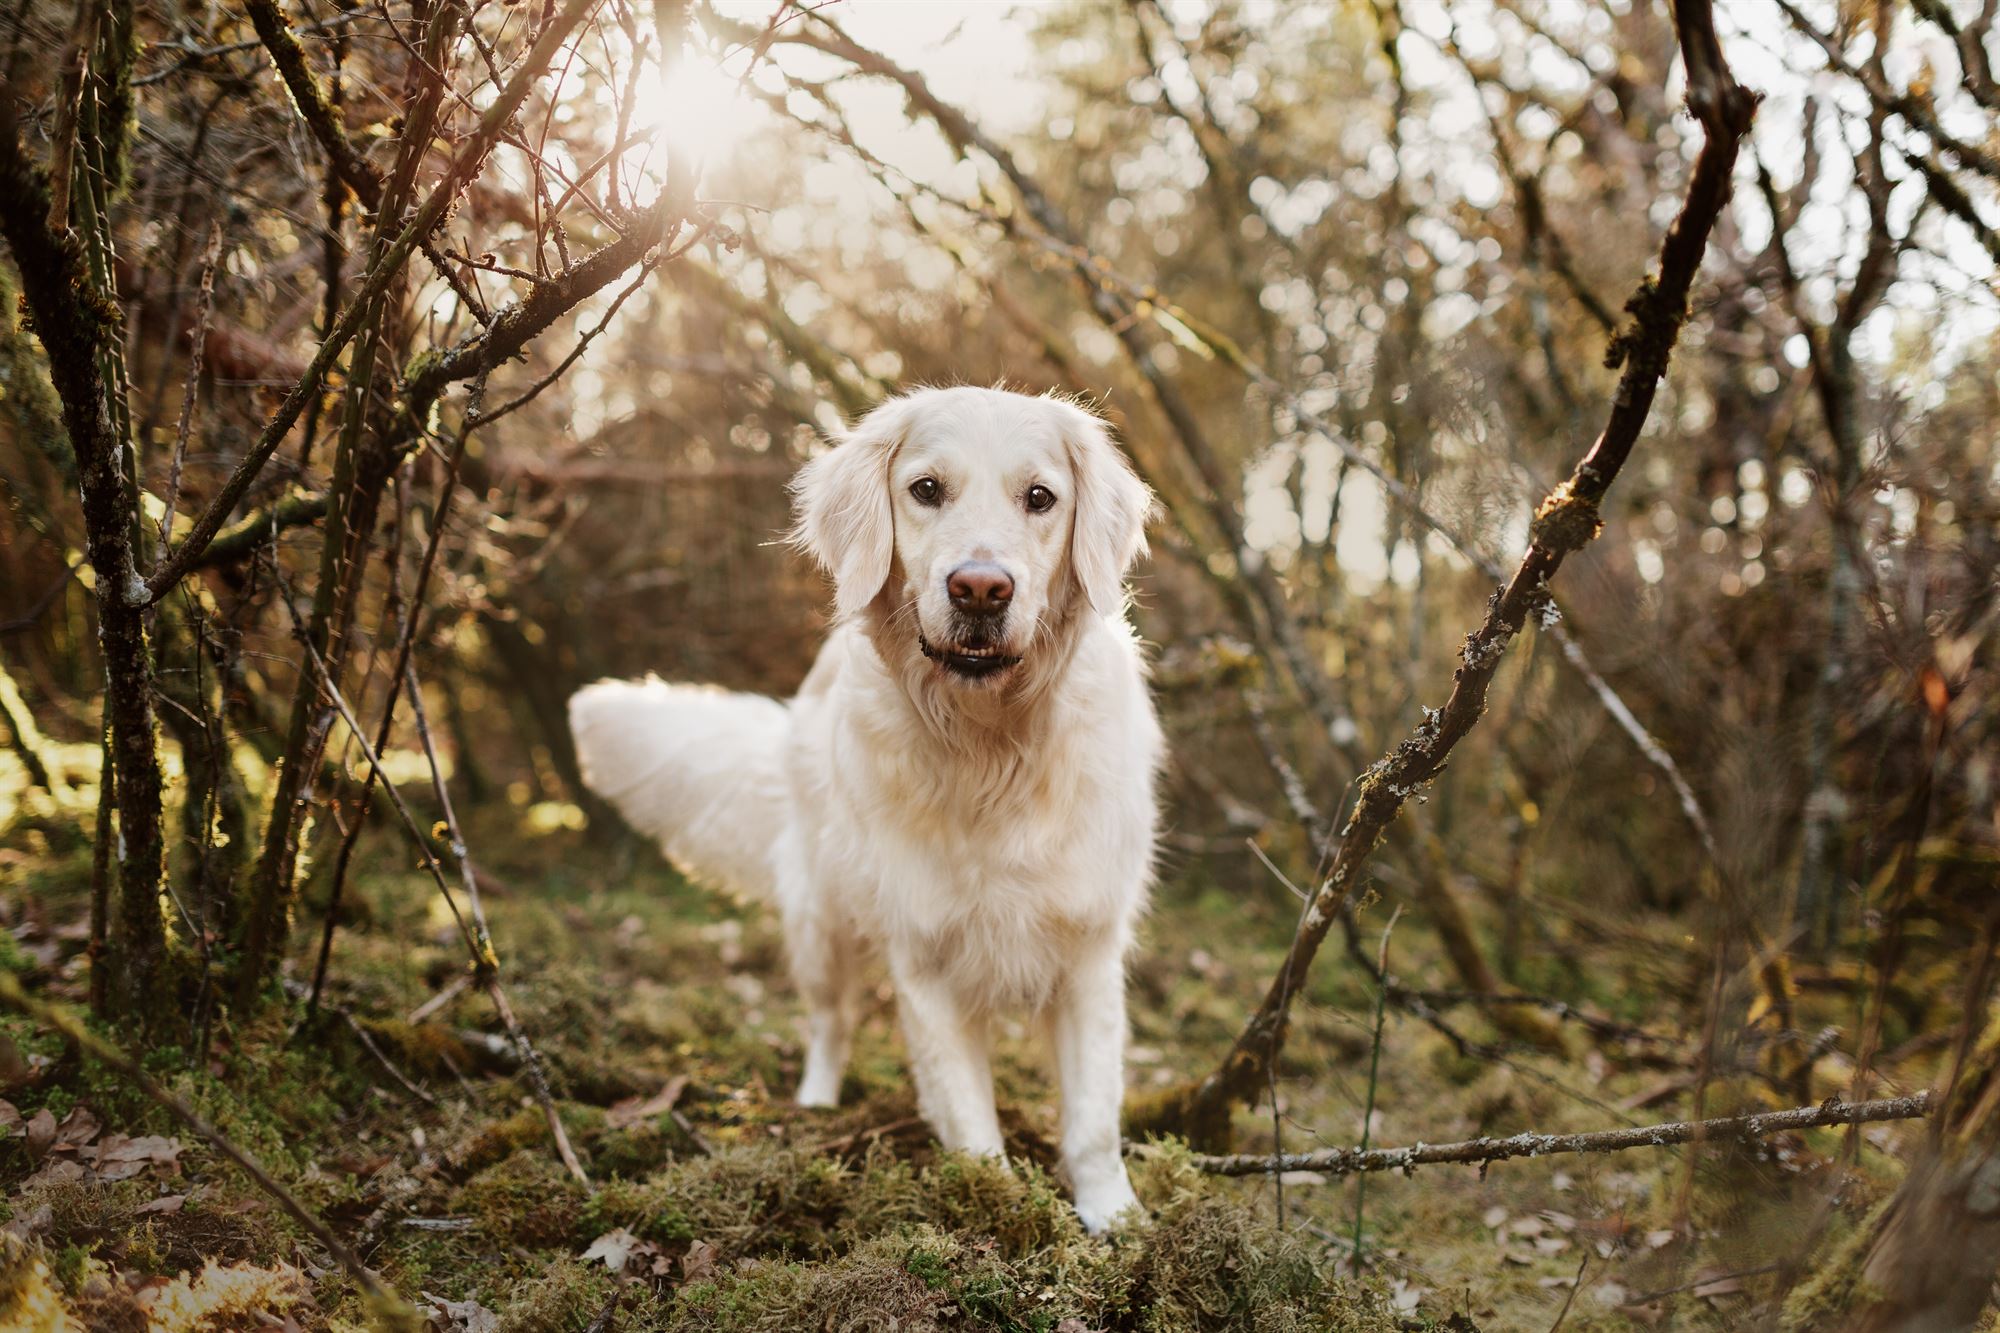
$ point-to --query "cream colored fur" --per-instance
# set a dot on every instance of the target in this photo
(990, 839)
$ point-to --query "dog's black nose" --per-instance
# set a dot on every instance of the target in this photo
(980, 588)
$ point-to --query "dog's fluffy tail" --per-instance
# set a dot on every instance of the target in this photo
(697, 768)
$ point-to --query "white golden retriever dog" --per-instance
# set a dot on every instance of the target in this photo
(964, 784)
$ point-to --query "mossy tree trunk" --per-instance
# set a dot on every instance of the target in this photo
(64, 280)
(214, 820)
(365, 458)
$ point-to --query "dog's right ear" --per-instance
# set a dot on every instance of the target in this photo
(842, 501)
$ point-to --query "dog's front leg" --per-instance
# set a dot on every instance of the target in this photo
(827, 970)
(950, 1058)
(1087, 1029)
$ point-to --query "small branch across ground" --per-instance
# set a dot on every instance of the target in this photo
(1348, 1161)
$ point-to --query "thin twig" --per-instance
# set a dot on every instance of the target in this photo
(346, 1015)
(1575, 1285)
(73, 1029)
(69, 100)
(529, 394)
(1343, 1161)
(406, 640)
(1647, 1298)
(368, 752)
(453, 989)
(204, 308)
(465, 164)
(477, 940)
(488, 960)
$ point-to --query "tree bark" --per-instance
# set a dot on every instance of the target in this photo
(364, 460)
(76, 320)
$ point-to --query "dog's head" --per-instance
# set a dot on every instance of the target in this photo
(973, 520)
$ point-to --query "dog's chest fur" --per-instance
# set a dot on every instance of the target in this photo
(991, 857)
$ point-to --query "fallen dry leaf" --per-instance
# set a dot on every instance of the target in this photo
(41, 1133)
(62, 1171)
(166, 1203)
(618, 1247)
(120, 1157)
(460, 1316)
(698, 1262)
(77, 1128)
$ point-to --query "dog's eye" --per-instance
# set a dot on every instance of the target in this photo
(1040, 499)
(926, 490)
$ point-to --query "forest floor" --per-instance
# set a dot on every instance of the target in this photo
(671, 1037)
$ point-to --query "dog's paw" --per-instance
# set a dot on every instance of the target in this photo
(1109, 1207)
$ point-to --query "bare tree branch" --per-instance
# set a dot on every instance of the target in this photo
(1348, 1161)
(76, 320)
(1566, 521)
(464, 166)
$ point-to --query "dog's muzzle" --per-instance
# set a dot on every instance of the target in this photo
(976, 662)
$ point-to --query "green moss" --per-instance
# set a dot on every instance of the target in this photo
(566, 1297)
(72, 1265)
(805, 1240)
(635, 1149)
(529, 1200)
(1835, 1290)
(871, 1289)
(500, 1139)
(424, 1050)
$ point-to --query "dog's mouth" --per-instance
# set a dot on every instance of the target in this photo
(970, 661)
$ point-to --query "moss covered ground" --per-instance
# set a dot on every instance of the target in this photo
(670, 1035)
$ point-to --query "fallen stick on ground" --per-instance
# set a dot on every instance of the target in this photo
(389, 1307)
(1344, 1161)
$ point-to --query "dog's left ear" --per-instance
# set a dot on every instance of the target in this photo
(1112, 505)
(842, 500)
